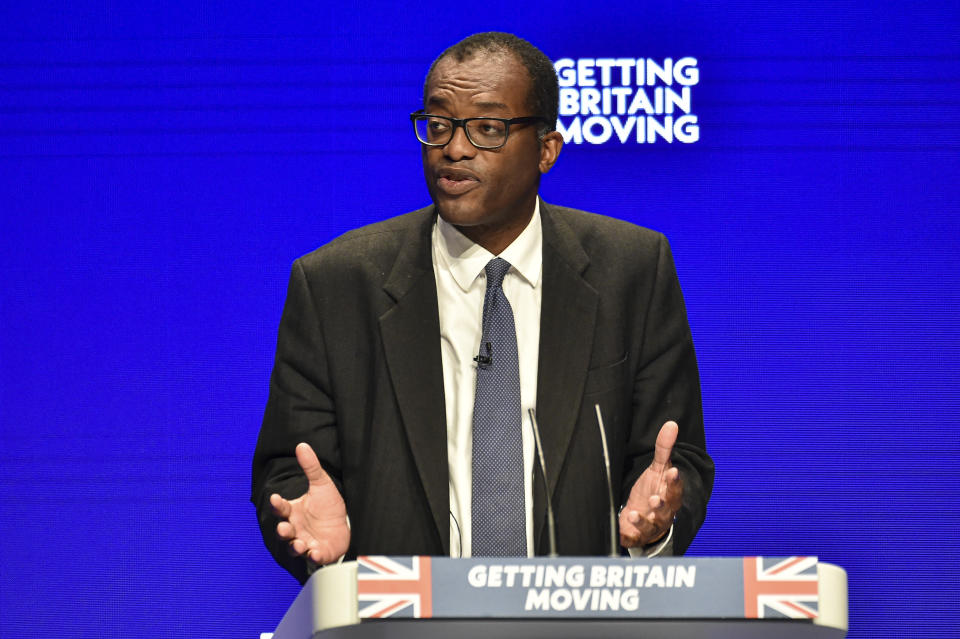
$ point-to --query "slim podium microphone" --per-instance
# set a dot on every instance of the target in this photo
(551, 524)
(614, 545)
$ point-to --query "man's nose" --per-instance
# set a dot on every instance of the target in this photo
(459, 147)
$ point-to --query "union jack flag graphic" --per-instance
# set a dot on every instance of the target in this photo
(780, 587)
(394, 587)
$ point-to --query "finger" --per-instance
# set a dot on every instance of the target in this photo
(673, 495)
(667, 483)
(297, 547)
(639, 532)
(666, 438)
(310, 464)
(281, 507)
(319, 553)
(656, 524)
(629, 533)
(661, 513)
(286, 530)
(672, 481)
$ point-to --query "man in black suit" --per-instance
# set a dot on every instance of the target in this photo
(365, 441)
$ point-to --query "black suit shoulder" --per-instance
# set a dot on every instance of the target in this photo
(377, 243)
(603, 227)
(614, 248)
(352, 272)
(601, 231)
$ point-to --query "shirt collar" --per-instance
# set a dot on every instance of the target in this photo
(466, 260)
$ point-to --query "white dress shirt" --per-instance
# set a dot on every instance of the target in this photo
(458, 266)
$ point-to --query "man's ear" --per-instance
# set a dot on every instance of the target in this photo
(550, 147)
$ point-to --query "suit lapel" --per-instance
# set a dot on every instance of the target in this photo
(567, 318)
(410, 331)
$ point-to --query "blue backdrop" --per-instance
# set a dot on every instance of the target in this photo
(161, 164)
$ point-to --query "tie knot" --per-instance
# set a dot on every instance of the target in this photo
(496, 270)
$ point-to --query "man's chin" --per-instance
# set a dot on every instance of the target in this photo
(457, 214)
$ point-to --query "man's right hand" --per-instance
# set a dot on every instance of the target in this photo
(314, 524)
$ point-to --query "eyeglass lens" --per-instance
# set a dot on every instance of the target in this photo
(481, 132)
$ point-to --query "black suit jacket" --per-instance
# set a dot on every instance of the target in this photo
(358, 375)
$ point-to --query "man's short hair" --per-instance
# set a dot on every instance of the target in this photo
(544, 98)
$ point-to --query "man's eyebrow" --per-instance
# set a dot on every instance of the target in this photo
(491, 105)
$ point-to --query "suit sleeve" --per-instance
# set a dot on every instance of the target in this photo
(667, 386)
(299, 408)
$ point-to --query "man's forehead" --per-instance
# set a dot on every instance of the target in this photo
(440, 100)
(493, 55)
(482, 67)
(488, 74)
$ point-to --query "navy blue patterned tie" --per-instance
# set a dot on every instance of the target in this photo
(499, 517)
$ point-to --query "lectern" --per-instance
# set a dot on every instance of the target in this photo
(567, 597)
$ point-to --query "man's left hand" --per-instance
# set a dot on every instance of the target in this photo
(655, 497)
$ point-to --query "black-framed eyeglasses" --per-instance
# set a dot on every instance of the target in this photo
(483, 133)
